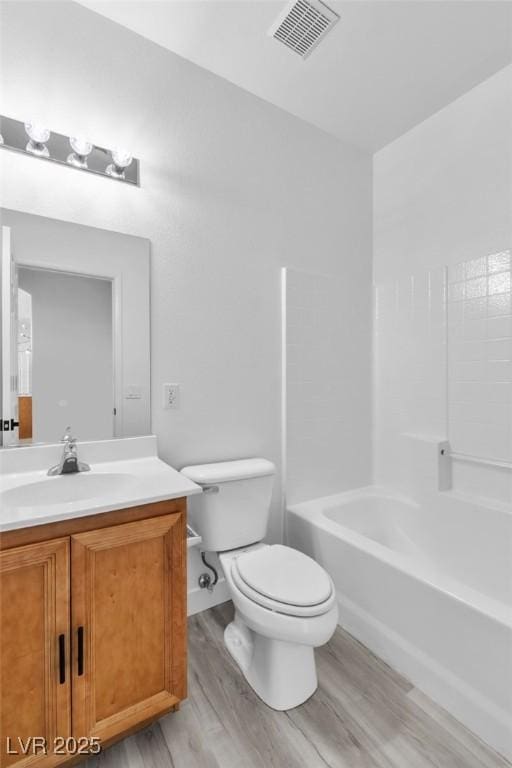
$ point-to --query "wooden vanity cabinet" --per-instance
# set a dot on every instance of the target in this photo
(128, 618)
(34, 649)
(92, 629)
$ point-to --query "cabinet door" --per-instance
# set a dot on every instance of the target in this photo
(34, 658)
(129, 624)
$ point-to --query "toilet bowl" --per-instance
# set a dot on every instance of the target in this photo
(271, 640)
(285, 603)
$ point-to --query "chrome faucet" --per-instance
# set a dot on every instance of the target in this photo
(68, 463)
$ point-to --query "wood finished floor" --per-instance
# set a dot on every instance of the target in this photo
(363, 715)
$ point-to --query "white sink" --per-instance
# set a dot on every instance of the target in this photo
(124, 473)
(63, 489)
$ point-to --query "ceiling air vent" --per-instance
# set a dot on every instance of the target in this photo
(302, 25)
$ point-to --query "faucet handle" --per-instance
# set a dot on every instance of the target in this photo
(67, 437)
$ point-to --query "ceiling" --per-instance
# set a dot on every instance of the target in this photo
(384, 67)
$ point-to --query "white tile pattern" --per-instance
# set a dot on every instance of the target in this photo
(480, 357)
(443, 369)
(410, 366)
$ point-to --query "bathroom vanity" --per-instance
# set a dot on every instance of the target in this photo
(92, 598)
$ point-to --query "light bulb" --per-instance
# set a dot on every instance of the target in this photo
(122, 159)
(80, 145)
(37, 132)
(81, 149)
(38, 135)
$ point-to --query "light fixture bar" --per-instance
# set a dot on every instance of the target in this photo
(35, 140)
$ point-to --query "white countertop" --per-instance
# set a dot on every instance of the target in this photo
(124, 473)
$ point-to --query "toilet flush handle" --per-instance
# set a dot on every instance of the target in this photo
(211, 489)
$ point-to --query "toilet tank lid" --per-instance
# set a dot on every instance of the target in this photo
(227, 471)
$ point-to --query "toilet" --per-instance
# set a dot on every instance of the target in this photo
(285, 603)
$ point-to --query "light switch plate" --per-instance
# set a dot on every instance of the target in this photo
(171, 396)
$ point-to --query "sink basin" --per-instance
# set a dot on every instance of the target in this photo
(63, 489)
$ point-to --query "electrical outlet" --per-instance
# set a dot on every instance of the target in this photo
(171, 396)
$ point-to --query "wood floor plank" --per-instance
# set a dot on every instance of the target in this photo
(339, 744)
(361, 669)
(122, 754)
(152, 747)
(363, 715)
(486, 757)
(399, 730)
(185, 739)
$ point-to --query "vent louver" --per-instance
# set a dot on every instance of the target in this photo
(302, 25)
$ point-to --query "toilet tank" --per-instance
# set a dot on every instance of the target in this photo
(234, 507)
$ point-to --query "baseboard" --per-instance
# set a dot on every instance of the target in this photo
(201, 599)
(477, 713)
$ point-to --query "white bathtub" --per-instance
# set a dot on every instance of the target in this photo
(427, 588)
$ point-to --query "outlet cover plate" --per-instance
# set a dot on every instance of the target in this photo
(171, 396)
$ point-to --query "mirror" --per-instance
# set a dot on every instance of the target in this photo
(75, 331)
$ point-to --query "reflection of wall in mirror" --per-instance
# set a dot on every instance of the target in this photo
(24, 349)
(24, 342)
(72, 365)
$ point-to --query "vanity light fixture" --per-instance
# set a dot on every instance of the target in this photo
(85, 156)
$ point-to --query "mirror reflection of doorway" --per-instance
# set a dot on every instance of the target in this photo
(65, 355)
(74, 331)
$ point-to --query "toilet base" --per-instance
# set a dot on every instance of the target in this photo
(282, 674)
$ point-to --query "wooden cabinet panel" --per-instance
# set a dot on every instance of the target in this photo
(34, 613)
(25, 417)
(128, 601)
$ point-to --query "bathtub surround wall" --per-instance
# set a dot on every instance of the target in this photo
(327, 385)
(232, 189)
(443, 320)
(443, 372)
(480, 357)
(410, 370)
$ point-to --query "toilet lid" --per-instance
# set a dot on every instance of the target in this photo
(284, 575)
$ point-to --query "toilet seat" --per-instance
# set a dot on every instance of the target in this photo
(283, 580)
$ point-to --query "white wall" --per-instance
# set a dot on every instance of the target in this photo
(442, 191)
(232, 189)
(328, 385)
(443, 324)
(72, 376)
